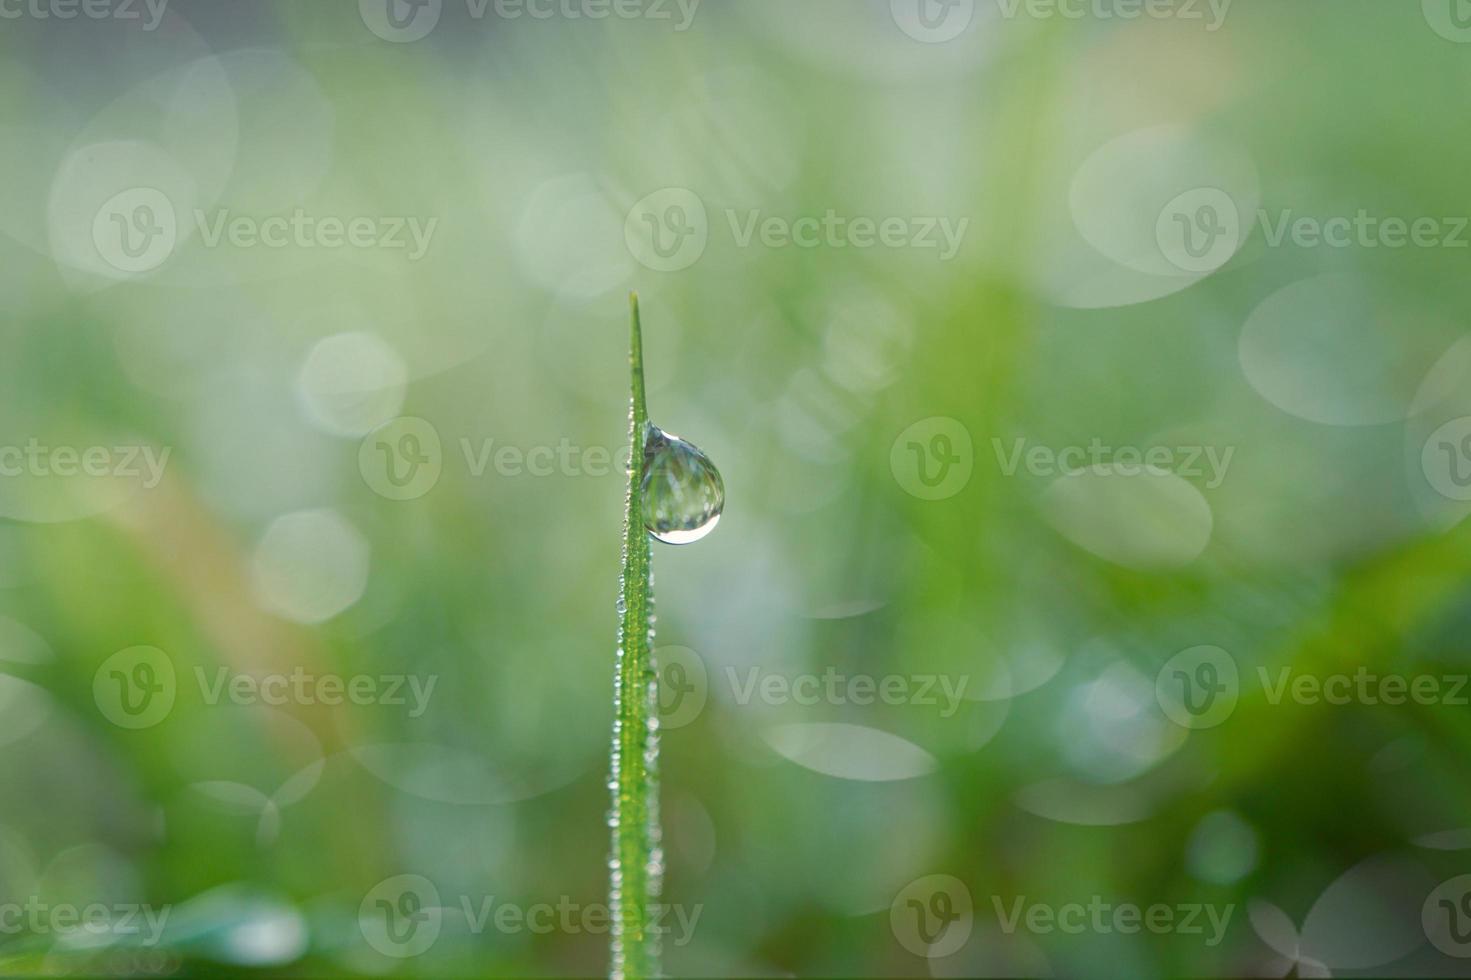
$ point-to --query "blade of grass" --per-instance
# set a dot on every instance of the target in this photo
(637, 862)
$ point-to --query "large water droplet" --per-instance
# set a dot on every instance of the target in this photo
(683, 492)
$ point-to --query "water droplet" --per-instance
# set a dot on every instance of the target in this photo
(683, 492)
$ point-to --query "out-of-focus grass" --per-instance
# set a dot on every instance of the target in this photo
(529, 141)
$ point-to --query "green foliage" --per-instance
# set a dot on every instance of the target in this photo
(636, 861)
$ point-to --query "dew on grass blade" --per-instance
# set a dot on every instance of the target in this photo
(682, 490)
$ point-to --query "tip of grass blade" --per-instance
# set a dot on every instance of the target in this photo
(636, 363)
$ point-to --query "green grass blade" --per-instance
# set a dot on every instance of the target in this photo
(637, 862)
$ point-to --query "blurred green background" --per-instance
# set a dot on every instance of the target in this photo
(313, 386)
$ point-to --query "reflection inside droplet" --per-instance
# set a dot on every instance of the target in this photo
(682, 490)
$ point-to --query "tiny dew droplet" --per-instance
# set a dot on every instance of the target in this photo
(682, 490)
